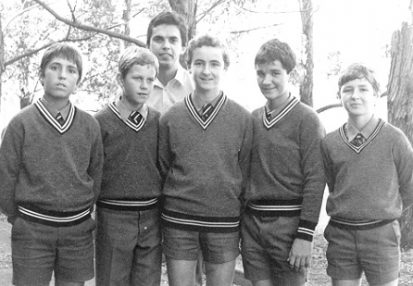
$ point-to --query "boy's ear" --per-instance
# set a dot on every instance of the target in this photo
(338, 95)
(119, 79)
(41, 78)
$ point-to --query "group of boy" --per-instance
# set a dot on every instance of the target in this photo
(212, 174)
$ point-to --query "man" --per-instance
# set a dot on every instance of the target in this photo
(166, 38)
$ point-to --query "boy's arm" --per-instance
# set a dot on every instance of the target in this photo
(10, 160)
(95, 169)
(327, 166)
(403, 154)
(311, 134)
(164, 151)
(245, 152)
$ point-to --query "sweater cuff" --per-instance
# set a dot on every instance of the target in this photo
(306, 230)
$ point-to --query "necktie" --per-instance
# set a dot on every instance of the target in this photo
(60, 119)
(135, 117)
(358, 140)
(206, 111)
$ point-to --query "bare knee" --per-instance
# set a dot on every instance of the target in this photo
(220, 274)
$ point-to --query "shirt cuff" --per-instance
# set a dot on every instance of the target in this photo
(306, 230)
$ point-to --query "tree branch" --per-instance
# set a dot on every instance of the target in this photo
(89, 28)
(270, 12)
(253, 29)
(34, 51)
(213, 6)
(327, 107)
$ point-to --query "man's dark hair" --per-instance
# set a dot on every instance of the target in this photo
(168, 18)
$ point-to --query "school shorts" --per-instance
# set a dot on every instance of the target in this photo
(128, 247)
(216, 248)
(375, 251)
(265, 246)
(38, 250)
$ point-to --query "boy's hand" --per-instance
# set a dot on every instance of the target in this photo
(300, 254)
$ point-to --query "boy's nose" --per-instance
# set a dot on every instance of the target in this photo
(355, 94)
(144, 85)
(206, 69)
(63, 73)
(266, 79)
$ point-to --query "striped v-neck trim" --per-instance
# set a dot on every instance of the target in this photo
(360, 148)
(128, 122)
(192, 110)
(270, 123)
(53, 121)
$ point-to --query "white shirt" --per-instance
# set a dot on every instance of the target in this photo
(163, 97)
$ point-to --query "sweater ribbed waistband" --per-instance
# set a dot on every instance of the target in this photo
(360, 224)
(128, 204)
(275, 207)
(53, 218)
(199, 223)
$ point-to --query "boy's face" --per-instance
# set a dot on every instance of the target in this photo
(272, 79)
(59, 78)
(358, 97)
(207, 68)
(166, 44)
(138, 83)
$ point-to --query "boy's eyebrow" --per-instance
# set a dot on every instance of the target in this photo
(165, 37)
(56, 62)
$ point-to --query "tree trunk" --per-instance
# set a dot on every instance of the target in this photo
(126, 20)
(187, 9)
(400, 104)
(306, 87)
(1, 58)
(26, 95)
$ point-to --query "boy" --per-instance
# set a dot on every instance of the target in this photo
(50, 172)
(286, 179)
(166, 38)
(128, 240)
(204, 154)
(368, 164)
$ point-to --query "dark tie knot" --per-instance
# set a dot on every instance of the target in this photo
(60, 118)
(206, 111)
(358, 140)
(135, 117)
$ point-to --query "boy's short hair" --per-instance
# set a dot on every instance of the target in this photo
(168, 18)
(62, 50)
(275, 50)
(358, 71)
(206, 41)
(136, 55)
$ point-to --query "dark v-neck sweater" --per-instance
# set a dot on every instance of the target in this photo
(371, 182)
(130, 167)
(287, 175)
(49, 167)
(204, 165)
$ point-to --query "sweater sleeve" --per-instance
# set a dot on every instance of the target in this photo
(245, 153)
(164, 151)
(10, 160)
(311, 134)
(327, 166)
(403, 156)
(95, 169)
